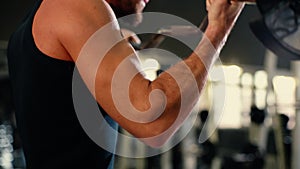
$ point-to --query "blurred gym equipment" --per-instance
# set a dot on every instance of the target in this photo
(278, 28)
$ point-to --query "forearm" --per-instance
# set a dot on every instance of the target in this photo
(184, 81)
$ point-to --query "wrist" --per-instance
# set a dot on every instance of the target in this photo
(217, 34)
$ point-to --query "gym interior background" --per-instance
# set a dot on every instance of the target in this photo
(258, 120)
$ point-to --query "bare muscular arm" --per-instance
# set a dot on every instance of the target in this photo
(156, 113)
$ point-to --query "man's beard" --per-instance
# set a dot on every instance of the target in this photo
(132, 20)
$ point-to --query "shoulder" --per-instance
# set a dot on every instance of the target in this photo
(77, 20)
(92, 10)
(87, 14)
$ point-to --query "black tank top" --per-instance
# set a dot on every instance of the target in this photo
(42, 87)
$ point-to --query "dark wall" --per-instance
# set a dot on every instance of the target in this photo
(242, 46)
(11, 12)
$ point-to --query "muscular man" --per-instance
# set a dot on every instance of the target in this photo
(42, 54)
